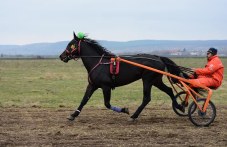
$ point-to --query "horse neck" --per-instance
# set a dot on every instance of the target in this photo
(90, 57)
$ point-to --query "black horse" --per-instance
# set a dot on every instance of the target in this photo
(96, 60)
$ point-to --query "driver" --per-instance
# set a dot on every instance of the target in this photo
(212, 74)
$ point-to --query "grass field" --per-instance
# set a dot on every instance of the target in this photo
(36, 96)
(52, 83)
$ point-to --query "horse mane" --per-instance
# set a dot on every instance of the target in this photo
(100, 49)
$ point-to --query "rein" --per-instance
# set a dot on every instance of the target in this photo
(185, 69)
(76, 57)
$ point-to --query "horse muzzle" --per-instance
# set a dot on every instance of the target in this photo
(64, 59)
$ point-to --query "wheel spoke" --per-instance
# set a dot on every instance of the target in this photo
(202, 118)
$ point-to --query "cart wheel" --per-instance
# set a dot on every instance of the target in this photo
(200, 118)
(180, 97)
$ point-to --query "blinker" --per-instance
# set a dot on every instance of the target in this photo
(73, 46)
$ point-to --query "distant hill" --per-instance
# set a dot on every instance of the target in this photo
(137, 46)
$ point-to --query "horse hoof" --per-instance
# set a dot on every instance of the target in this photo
(181, 108)
(71, 118)
(131, 119)
(126, 110)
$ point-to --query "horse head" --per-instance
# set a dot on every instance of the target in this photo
(72, 50)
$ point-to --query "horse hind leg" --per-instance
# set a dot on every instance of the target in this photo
(160, 85)
(107, 97)
(146, 99)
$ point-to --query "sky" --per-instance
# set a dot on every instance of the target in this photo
(36, 21)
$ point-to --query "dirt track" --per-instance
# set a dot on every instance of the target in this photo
(101, 127)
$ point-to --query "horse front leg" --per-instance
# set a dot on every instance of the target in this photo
(89, 91)
(107, 97)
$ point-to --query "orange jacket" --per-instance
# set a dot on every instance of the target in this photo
(214, 69)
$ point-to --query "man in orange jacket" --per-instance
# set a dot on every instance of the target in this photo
(212, 75)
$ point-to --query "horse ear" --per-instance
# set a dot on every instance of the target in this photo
(75, 37)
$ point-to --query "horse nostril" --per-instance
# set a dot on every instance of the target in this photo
(65, 59)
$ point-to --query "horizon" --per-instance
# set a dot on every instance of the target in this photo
(136, 46)
(107, 41)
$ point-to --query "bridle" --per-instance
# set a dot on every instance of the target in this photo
(71, 54)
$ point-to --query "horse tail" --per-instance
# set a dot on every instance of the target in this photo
(173, 68)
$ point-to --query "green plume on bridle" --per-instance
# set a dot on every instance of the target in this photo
(80, 35)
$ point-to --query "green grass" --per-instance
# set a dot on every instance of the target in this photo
(52, 83)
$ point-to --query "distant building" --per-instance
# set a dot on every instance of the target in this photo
(179, 53)
(194, 53)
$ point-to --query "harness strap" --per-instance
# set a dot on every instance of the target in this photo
(100, 62)
(114, 69)
(114, 66)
